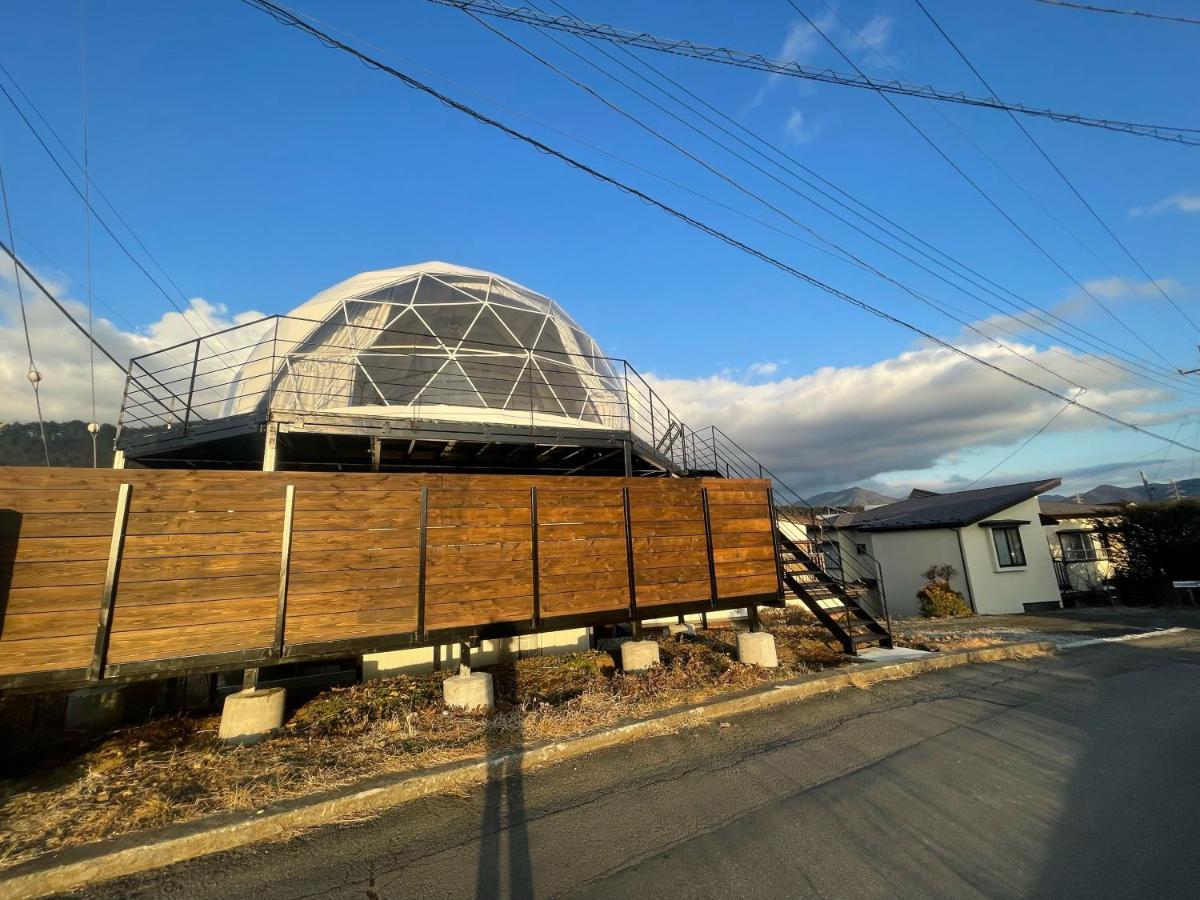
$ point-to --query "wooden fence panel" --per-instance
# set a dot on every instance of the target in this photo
(199, 572)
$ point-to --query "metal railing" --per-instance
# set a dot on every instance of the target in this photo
(297, 365)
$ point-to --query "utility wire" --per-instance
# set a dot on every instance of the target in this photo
(103, 224)
(1088, 7)
(34, 376)
(984, 194)
(741, 59)
(1025, 443)
(1035, 312)
(283, 17)
(987, 156)
(895, 232)
(851, 257)
(741, 188)
(93, 425)
(99, 193)
(125, 370)
(1062, 175)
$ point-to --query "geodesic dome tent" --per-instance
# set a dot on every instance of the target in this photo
(432, 341)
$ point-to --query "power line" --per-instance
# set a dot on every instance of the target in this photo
(93, 425)
(1170, 372)
(1088, 7)
(1062, 175)
(1025, 443)
(125, 370)
(984, 194)
(284, 17)
(103, 224)
(741, 59)
(740, 187)
(96, 188)
(994, 163)
(33, 375)
(852, 258)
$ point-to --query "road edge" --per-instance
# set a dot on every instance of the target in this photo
(130, 854)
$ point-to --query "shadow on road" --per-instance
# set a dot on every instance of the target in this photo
(504, 830)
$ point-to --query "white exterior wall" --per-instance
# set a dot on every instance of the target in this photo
(1084, 575)
(903, 556)
(998, 590)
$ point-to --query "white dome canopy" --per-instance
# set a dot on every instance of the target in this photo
(432, 341)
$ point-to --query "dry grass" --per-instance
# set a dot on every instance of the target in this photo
(174, 769)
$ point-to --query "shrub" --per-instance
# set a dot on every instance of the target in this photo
(938, 599)
(1151, 546)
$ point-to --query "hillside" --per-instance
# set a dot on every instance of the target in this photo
(70, 444)
(851, 497)
(1110, 493)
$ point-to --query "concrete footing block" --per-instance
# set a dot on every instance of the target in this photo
(248, 717)
(680, 628)
(469, 691)
(95, 708)
(757, 648)
(638, 656)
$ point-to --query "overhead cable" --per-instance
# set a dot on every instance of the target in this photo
(988, 197)
(33, 375)
(1062, 175)
(284, 17)
(741, 59)
(1088, 7)
(1033, 316)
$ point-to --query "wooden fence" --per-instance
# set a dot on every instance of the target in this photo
(124, 574)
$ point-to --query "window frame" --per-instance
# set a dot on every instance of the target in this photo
(996, 531)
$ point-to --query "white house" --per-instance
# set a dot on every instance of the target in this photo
(992, 536)
(1081, 554)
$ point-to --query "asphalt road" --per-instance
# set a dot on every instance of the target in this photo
(1071, 776)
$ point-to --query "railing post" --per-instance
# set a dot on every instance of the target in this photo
(111, 576)
(628, 409)
(187, 409)
(285, 560)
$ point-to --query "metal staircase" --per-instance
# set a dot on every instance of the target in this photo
(844, 590)
(835, 605)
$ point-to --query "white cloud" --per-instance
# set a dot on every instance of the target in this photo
(762, 369)
(877, 35)
(908, 413)
(1185, 203)
(798, 129)
(1076, 304)
(62, 356)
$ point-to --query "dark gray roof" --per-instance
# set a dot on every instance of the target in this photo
(928, 510)
(1056, 510)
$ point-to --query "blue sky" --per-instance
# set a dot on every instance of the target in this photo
(260, 168)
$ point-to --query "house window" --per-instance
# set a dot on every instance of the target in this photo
(1009, 552)
(1079, 546)
(860, 549)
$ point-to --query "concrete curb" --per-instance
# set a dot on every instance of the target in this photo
(129, 854)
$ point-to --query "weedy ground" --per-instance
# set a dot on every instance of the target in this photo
(174, 769)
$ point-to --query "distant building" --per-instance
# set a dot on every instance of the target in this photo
(992, 536)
